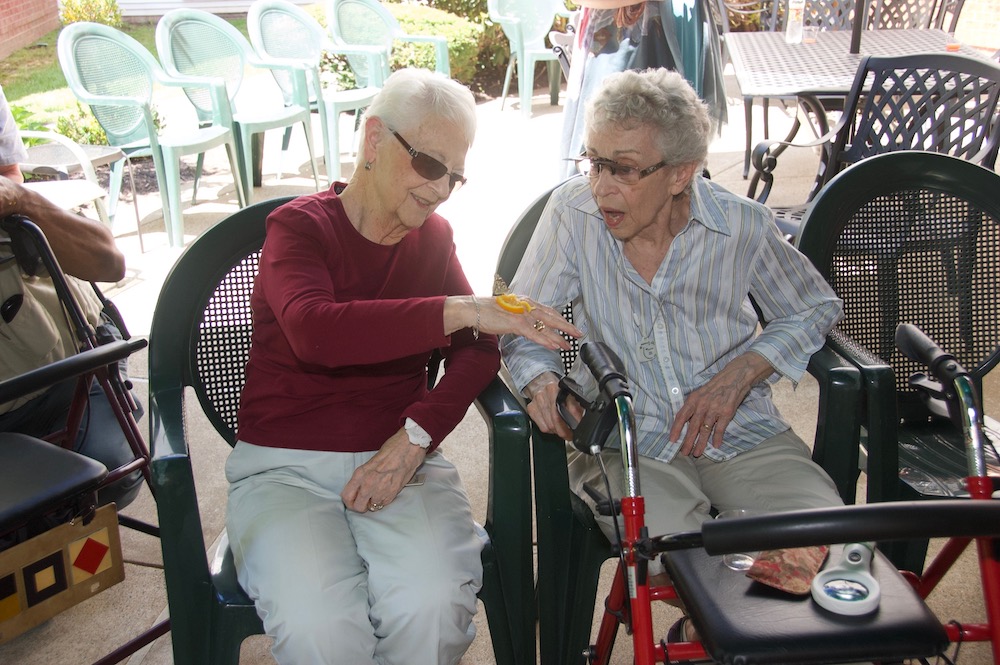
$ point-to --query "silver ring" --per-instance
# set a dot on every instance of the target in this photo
(374, 505)
(539, 325)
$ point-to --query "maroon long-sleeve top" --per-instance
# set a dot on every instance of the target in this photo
(344, 328)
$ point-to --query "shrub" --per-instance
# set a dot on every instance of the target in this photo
(462, 35)
(82, 127)
(95, 11)
(494, 49)
(23, 119)
(470, 9)
(336, 73)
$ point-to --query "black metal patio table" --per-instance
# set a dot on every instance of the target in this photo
(767, 66)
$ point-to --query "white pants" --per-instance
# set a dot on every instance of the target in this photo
(335, 586)
(777, 475)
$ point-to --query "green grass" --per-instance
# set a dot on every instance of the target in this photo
(33, 79)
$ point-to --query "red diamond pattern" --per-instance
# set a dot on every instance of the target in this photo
(91, 555)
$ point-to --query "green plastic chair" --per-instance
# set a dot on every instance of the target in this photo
(527, 23)
(115, 75)
(368, 23)
(282, 31)
(910, 237)
(199, 344)
(571, 546)
(195, 43)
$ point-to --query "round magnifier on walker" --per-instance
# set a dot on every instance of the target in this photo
(849, 588)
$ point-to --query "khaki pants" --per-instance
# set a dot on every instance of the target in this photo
(777, 475)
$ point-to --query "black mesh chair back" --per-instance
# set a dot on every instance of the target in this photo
(911, 237)
(916, 246)
(221, 335)
(223, 345)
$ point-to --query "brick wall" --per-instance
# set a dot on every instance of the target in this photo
(24, 21)
(979, 24)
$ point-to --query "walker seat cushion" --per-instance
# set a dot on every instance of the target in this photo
(744, 622)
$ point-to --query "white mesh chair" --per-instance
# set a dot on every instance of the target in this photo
(281, 31)
(116, 75)
(195, 43)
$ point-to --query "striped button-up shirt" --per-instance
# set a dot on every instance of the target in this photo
(675, 334)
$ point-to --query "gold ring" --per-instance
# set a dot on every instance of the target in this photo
(375, 505)
(538, 325)
(707, 427)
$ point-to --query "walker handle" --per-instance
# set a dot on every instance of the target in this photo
(917, 346)
(607, 368)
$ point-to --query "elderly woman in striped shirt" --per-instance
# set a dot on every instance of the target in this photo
(660, 264)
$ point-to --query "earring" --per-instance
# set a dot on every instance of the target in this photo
(368, 166)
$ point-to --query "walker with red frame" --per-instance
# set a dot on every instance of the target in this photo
(902, 628)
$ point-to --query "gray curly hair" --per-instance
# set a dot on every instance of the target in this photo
(659, 98)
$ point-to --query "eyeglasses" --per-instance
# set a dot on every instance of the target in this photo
(592, 167)
(430, 168)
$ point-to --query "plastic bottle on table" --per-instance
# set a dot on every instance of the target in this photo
(793, 26)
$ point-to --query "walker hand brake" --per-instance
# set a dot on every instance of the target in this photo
(600, 418)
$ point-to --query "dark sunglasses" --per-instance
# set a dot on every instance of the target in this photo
(430, 168)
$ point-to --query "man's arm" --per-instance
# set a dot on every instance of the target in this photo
(83, 247)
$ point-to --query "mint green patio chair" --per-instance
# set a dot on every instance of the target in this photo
(369, 23)
(527, 23)
(281, 31)
(115, 75)
(195, 43)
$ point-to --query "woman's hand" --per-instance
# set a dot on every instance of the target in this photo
(708, 410)
(505, 314)
(542, 391)
(377, 482)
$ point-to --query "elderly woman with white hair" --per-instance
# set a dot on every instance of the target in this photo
(660, 264)
(350, 530)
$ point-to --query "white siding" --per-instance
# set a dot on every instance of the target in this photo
(155, 8)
